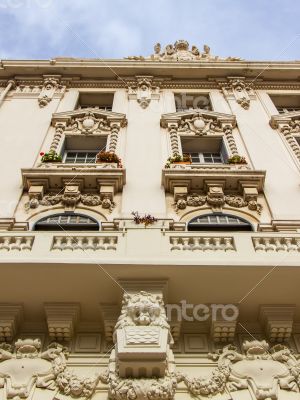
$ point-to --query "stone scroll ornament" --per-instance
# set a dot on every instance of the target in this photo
(24, 367)
(261, 370)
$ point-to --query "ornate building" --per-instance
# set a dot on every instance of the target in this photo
(149, 228)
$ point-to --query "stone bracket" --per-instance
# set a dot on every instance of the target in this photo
(11, 316)
(277, 321)
(62, 319)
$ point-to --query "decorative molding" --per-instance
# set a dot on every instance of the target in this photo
(277, 321)
(223, 330)
(202, 243)
(288, 125)
(238, 89)
(11, 317)
(84, 243)
(61, 320)
(143, 90)
(180, 51)
(276, 243)
(236, 371)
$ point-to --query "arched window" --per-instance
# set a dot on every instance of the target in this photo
(219, 222)
(68, 222)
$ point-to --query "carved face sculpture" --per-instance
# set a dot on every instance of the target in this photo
(143, 311)
(182, 45)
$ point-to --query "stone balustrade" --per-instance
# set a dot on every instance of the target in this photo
(9, 243)
(84, 243)
(276, 243)
(202, 243)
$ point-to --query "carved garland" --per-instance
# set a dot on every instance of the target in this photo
(67, 200)
(197, 200)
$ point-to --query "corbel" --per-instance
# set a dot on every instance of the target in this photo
(62, 319)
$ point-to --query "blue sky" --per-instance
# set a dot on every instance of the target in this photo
(251, 29)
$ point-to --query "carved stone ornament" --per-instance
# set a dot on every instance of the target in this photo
(239, 90)
(288, 125)
(88, 124)
(144, 89)
(260, 370)
(51, 84)
(181, 51)
(217, 202)
(199, 126)
(27, 368)
(71, 201)
(142, 364)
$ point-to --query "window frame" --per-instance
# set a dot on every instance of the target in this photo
(65, 155)
(244, 225)
(94, 225)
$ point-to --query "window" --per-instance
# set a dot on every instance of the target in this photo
(192, 101)
(80, 157)
(68, 222)
(206, 158)
(219, 222)
(204, 150)
(100, 101)
(286, 103)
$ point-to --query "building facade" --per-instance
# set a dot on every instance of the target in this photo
(149, 227)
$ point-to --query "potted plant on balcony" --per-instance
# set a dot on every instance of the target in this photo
(178, 159)
(236, 159)
(108, 157)
(50, 157)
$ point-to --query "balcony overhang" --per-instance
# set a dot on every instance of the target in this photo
(198, 177)
(90, 177)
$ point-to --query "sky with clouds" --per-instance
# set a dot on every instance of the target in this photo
(43, 29)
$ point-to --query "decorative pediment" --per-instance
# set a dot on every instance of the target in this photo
(88, 120)
(199, 122)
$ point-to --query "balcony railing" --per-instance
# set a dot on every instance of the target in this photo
(158, 245)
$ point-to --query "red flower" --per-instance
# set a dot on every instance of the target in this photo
(42, 154)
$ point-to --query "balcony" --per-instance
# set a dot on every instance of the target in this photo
(87, 176)
(195, 176)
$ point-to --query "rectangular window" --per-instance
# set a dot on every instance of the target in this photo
(204, 150)
(99, 101)
(80, 157)
(286, 103)
(206, 158)
(192, 101)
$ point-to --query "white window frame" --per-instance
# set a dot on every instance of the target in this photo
(202, 160)
(79, 151)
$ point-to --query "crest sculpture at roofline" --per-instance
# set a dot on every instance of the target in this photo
(181, 51)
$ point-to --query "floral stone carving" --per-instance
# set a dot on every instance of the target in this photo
(27, 368)
(200, 125)
(197, 200)
(260, 370)
(142, 364)
(71, 200)
(88, 124)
